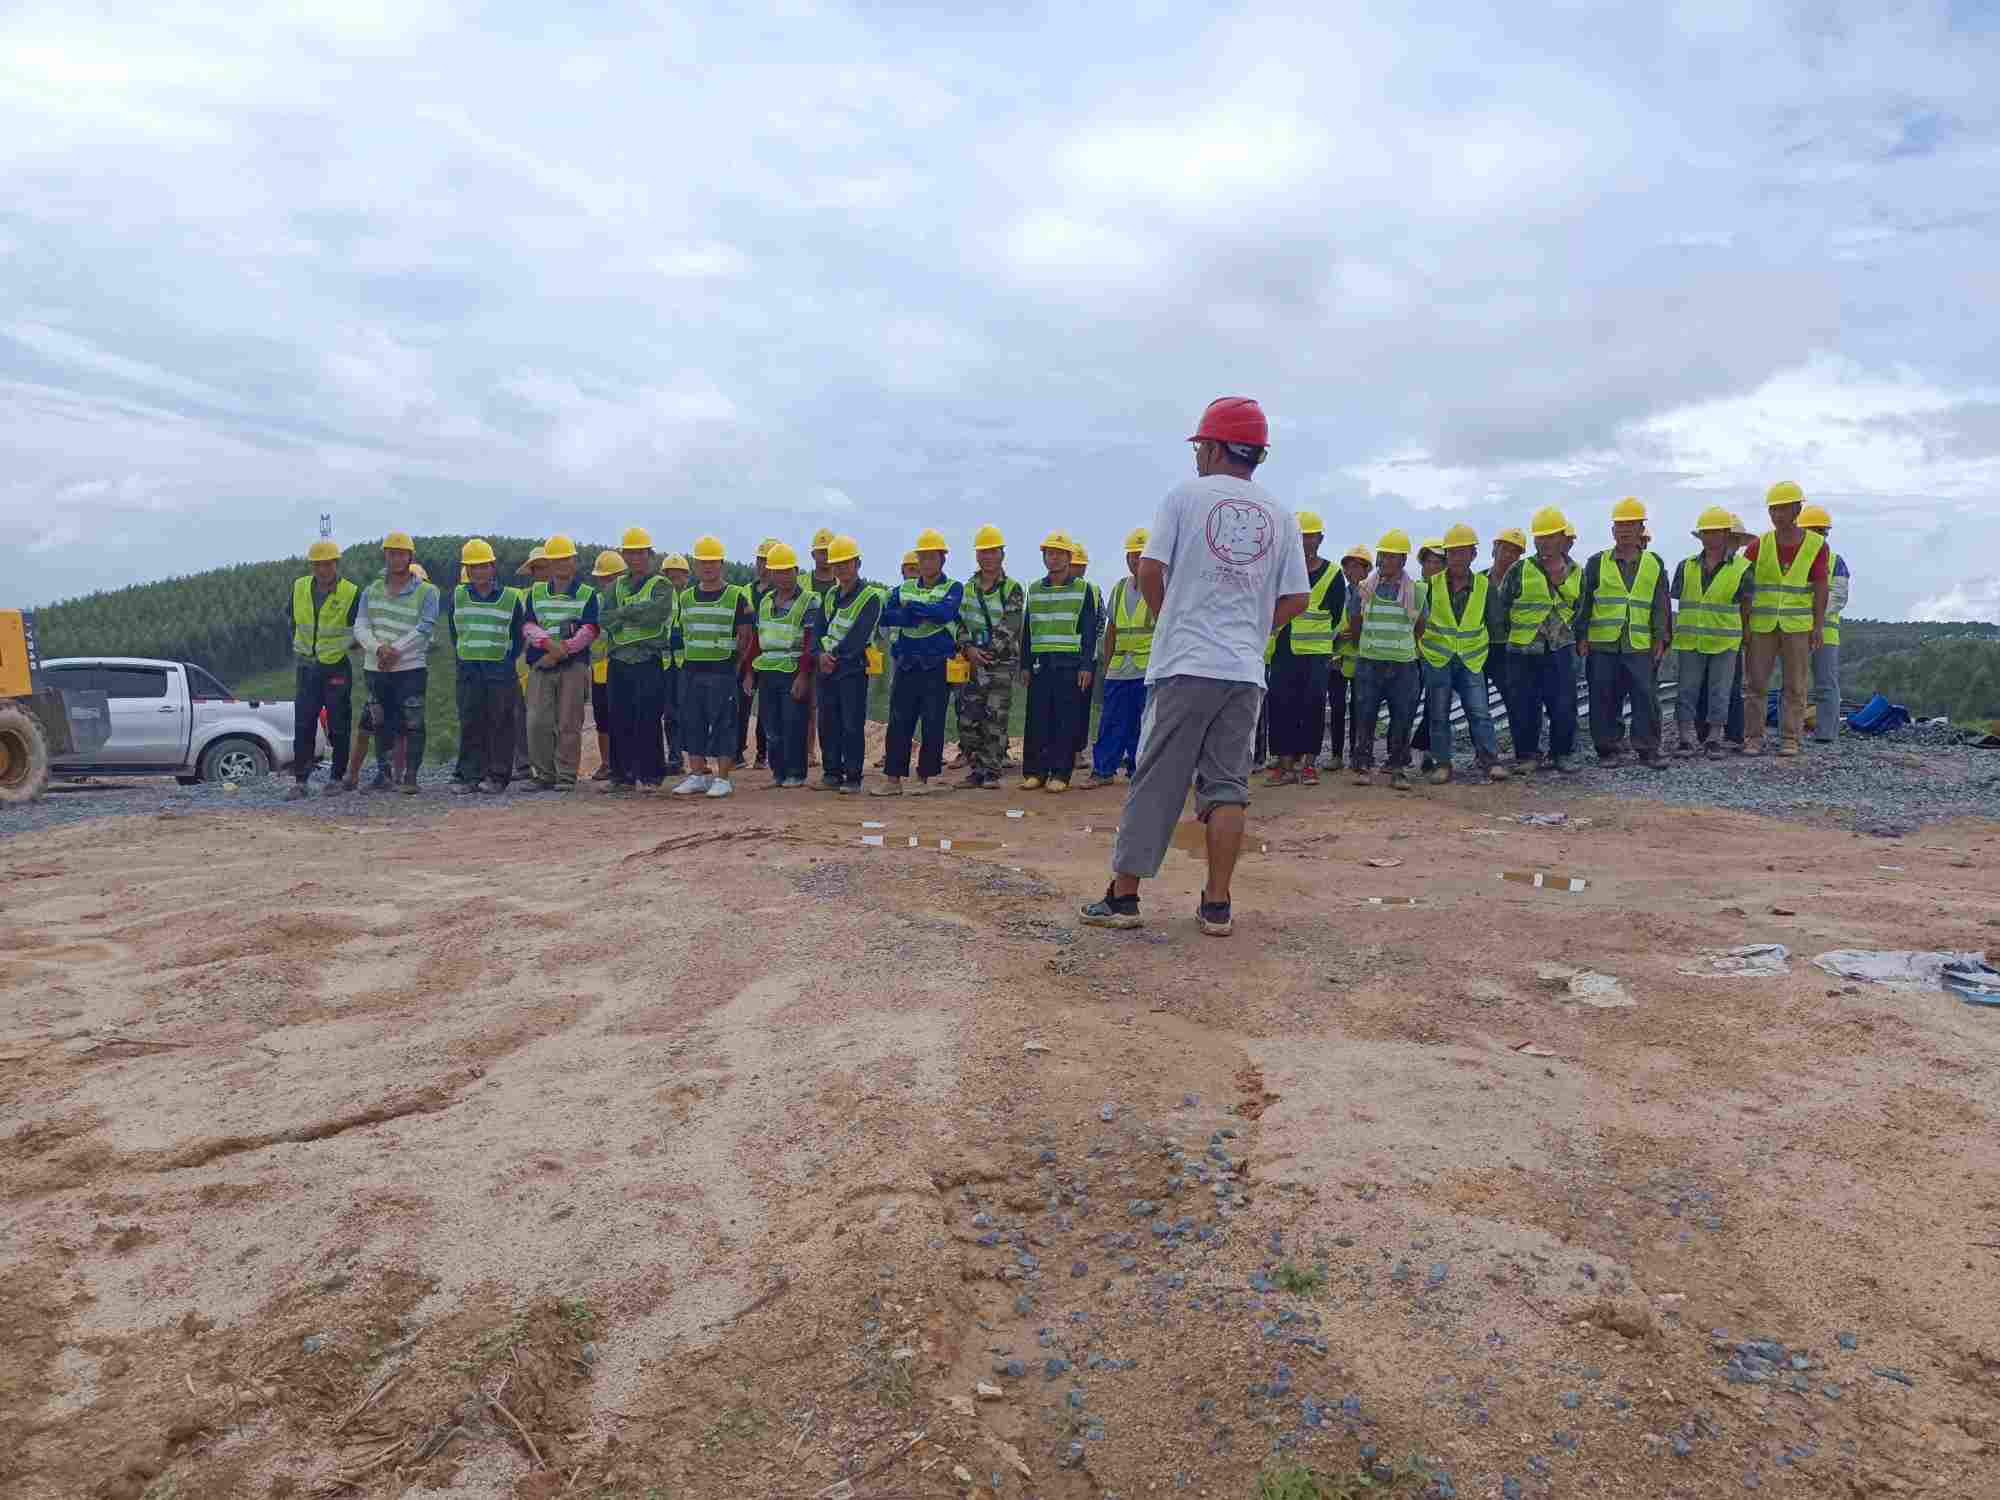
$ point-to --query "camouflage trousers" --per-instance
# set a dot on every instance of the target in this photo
(984, 706)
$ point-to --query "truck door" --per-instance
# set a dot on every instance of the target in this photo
(149, 715)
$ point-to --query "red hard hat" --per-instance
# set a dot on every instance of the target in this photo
(1233, 419)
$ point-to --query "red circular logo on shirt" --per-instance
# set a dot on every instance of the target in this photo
(1240, 532)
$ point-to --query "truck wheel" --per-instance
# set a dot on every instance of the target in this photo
(24, 755)
(235, 760)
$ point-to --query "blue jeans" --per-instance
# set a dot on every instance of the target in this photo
(1544, 683)
(1395, 683)
(1439, 684)
(1118, 727)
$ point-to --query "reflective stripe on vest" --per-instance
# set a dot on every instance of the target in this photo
(1134, 619)
(1462, 636)
(840, 617)
(1310, 636)
(632, 635)
(914, 591)
(553, 611)
(1055, 617)
(394, 616)
(322, 635)
(1614, 608)
(779, 636)
(972, 617)
(1532, 605)
(1784, 601)
(1387, 633)
(708, 626)
(484, 627)
(1831, 635)
(1709, 621)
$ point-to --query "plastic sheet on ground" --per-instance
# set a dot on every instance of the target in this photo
(1599, 991)
(1751, 961)
(1910, 970)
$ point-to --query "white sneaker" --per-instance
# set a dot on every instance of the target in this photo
(695, 785)
(720, 787)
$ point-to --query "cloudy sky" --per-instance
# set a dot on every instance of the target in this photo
(459, 266)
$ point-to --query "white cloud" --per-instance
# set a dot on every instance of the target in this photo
(1974, 599)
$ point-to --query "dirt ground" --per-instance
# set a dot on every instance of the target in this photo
(620, 1147)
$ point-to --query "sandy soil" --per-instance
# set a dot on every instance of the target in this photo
(618, 1147)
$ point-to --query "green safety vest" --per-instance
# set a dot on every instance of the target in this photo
(979, 613)
(553, 610)
(1387, 633)
(1463, 636)
(322, 635)
(1312, 633)
(1831, 635)
(1614, 608)
(840, 617)
(1055, 617)
(1783, 601)
(397, 615)
(631, 635)
(780, 636)
(708, 627)
(484, 627)
(1134, 619)
(914, 591)
(1532, 605)
(1709, 621)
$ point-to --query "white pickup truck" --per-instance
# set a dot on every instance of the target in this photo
(172, 718)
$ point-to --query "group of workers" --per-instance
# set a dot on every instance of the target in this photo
(669, 658)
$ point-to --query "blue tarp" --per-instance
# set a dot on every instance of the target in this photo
(1878, 716)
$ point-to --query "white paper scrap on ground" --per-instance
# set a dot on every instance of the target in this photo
(1017, 812)
(1909, 970)
(1600, 991)
(874, 825)
(1752, 961)
(874, 839)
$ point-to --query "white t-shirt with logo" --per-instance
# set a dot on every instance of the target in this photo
(1230, 551)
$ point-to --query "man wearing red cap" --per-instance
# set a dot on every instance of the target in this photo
(1237, 571)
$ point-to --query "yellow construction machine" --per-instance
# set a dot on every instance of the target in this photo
(38, 721)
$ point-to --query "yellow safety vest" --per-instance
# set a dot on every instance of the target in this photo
(1134, 619)
(1709, 621)
(1388, 633)
(1464, 637)
(1312, 628)
(1532, 605)
(322, 635)
(1782, 601)
(1831, 635)
(1615, 608)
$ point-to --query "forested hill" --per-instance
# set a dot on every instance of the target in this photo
(1930, 669)
(233, 620)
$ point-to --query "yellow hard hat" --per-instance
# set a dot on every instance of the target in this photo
(842, 549)
(1629, 509)
(1077, 554)
(1514, 536)
(1460, 535)
(1360, 553)
(1430, 544)
(1715, 518)
(1569, 530)
(930, 539)
(708, 549)
(1309, 522)
(1059, 541)
(557, 547)
(421, 571)
(323, 550)
(533, 557)
(1548, 521)
(478, 550)
(398, 539)
(910, 558)
(1136, 542)
(673, 560)
(609, 564)
(1394, 540)
(1784, 492)
(764, 549)
(635, 538)
(781, 555)
(822, 539)
(1815, 515)
(988, 536)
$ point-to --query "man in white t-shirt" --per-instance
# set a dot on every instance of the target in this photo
(1222, 570)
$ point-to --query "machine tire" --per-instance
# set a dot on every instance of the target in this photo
(24, 755)
(237, 758)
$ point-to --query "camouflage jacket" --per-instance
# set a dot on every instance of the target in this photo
(994, 622)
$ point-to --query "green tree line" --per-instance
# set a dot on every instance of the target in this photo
(1958, 676)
